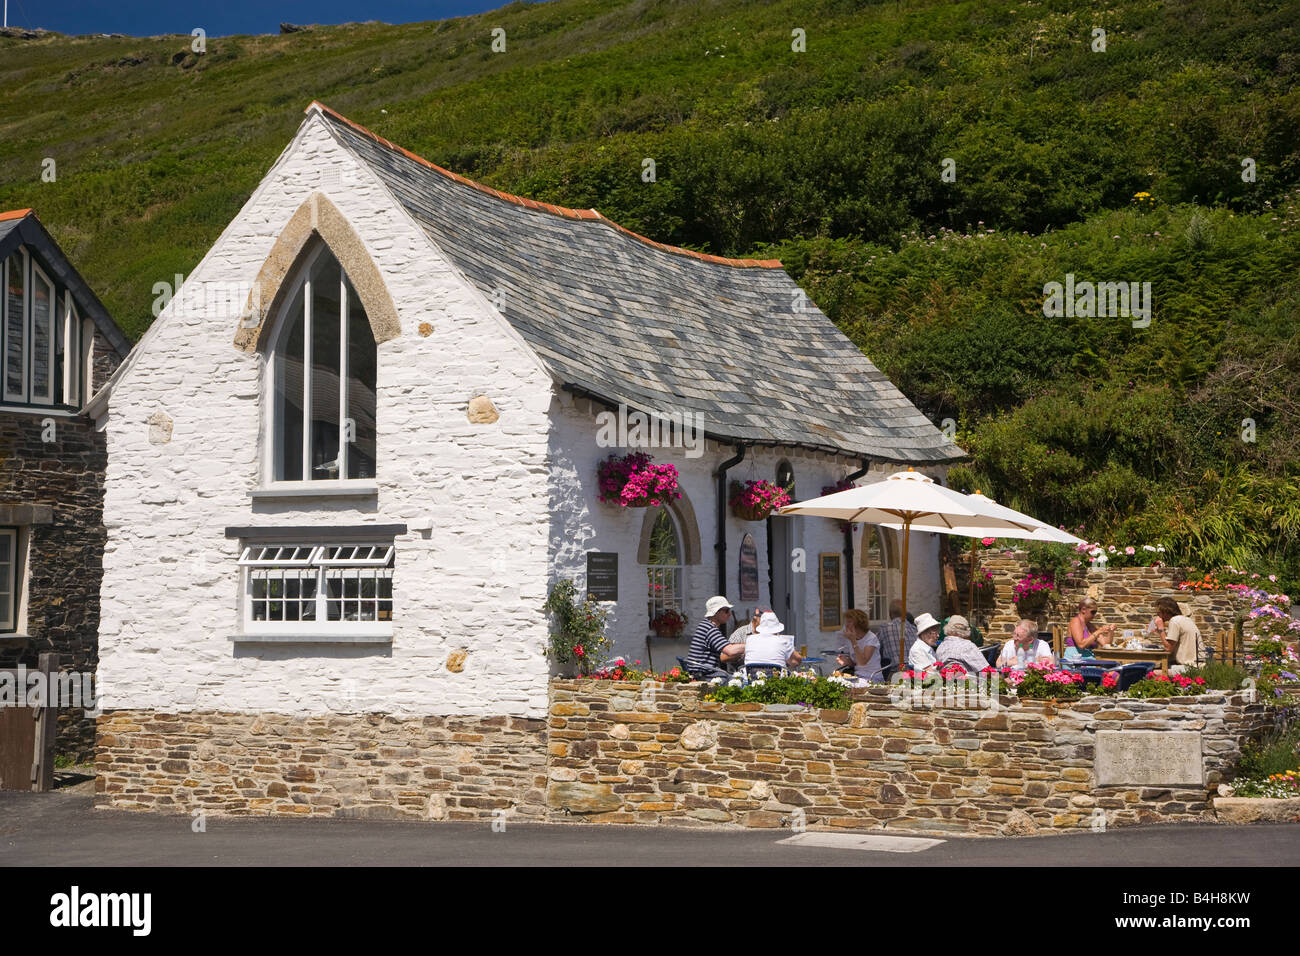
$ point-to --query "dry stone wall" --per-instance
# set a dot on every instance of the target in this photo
(619, 753)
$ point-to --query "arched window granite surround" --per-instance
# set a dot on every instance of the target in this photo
(317, 217)
(689, 531)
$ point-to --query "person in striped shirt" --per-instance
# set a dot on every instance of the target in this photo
(710, 648)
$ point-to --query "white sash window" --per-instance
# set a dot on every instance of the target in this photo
(321, 588)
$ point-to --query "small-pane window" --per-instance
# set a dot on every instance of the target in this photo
(342, 587)
(664, 568)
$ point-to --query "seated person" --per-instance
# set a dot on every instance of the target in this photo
(1025, 648)
(769, 646)
(1082, 641)
(1181, 635)
(709, 648)
(921, 656)
(741, 634)
(859, 650)
(958, 648)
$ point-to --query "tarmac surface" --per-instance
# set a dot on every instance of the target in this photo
(63, 829)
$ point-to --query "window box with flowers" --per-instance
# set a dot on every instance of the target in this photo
(755, 500)
(668, 624)
(635, 481)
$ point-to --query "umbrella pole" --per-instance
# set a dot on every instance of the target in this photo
(902, 625)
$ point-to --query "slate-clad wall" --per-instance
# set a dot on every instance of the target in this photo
(470, 588)
(65, 476)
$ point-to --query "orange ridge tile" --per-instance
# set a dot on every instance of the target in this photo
(14, 214)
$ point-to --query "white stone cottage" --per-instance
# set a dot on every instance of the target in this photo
(352, 455)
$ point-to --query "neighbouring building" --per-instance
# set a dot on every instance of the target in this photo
(351, 457)
(58, 345)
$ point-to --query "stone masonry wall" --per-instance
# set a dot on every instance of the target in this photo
(373, 766)
(64, 556)
(617, 753)
(1126, 596)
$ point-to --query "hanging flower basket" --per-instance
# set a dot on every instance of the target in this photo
(755, 500)
(635, 481)
(1032, 592)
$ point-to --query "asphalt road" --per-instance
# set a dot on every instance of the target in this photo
(62, 829)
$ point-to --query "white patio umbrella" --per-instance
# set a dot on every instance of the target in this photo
(908, 500)
(1040, 531)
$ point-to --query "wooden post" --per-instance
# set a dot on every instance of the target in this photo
(47, 725)
(902, 628)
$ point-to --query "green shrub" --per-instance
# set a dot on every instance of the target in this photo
(1218, 675)
(821, 693)
(1276, 752)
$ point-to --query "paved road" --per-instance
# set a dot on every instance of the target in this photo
(62, 829)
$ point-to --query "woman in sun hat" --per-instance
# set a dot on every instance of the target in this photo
(921, 656)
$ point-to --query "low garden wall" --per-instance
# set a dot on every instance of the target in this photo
(622, 753)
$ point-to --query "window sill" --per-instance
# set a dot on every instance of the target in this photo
(351, 488)
(10, 639)
(316, 638)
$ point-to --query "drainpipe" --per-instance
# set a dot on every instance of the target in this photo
(848, 538)
(720, 546)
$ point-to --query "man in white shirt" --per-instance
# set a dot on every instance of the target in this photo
(1025, 648)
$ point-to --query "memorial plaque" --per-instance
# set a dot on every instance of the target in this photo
(1150, 758)
(828, 573)
(602, 575)
(748, 569)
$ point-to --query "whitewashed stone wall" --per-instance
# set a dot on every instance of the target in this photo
(580, 523)
(171, 592)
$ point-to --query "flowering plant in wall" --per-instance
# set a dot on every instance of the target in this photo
(1043, 681)
(1033, 590)
(635, 481)
(668, 623)
(756, 499)
(577, 641)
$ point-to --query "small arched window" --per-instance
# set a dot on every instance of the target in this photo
(664, 566)
(881, 567)
(322, 364)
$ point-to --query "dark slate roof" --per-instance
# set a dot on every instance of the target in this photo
(624, 319)
(22, 228)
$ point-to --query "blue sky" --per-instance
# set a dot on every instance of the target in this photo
(150, 17)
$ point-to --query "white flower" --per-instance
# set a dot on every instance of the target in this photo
(1147, 547)
(734, 682)
(716, 681)
(760, 682)
(1160, 548)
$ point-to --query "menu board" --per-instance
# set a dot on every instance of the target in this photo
(602, 575)
(828, 573)
(748, 569)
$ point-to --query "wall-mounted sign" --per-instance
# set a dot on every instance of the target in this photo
(828, 575)
(602, 575)
(748, 569)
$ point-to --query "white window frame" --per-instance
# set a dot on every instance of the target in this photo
(38, 275)
(670, 578)
(20, 395)
(71, 352)
(9, 609)
(274, 466)
(255, 557)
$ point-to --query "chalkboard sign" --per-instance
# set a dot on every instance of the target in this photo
(748, 569)
(828, 573)
(602, 575)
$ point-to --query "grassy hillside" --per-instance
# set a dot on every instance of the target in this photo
(831, 160)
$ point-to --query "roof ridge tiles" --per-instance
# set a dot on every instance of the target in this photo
(563, 211)
(15, 214)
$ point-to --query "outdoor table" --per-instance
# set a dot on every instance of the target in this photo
(1125, 656)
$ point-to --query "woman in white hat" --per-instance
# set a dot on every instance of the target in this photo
(769, 646)
(921, 656)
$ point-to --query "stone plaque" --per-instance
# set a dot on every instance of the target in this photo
(1149, 758)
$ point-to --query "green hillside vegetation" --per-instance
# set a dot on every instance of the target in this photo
(829, 159)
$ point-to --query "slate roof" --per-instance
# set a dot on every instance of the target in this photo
(20, 227)
(621, 318)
